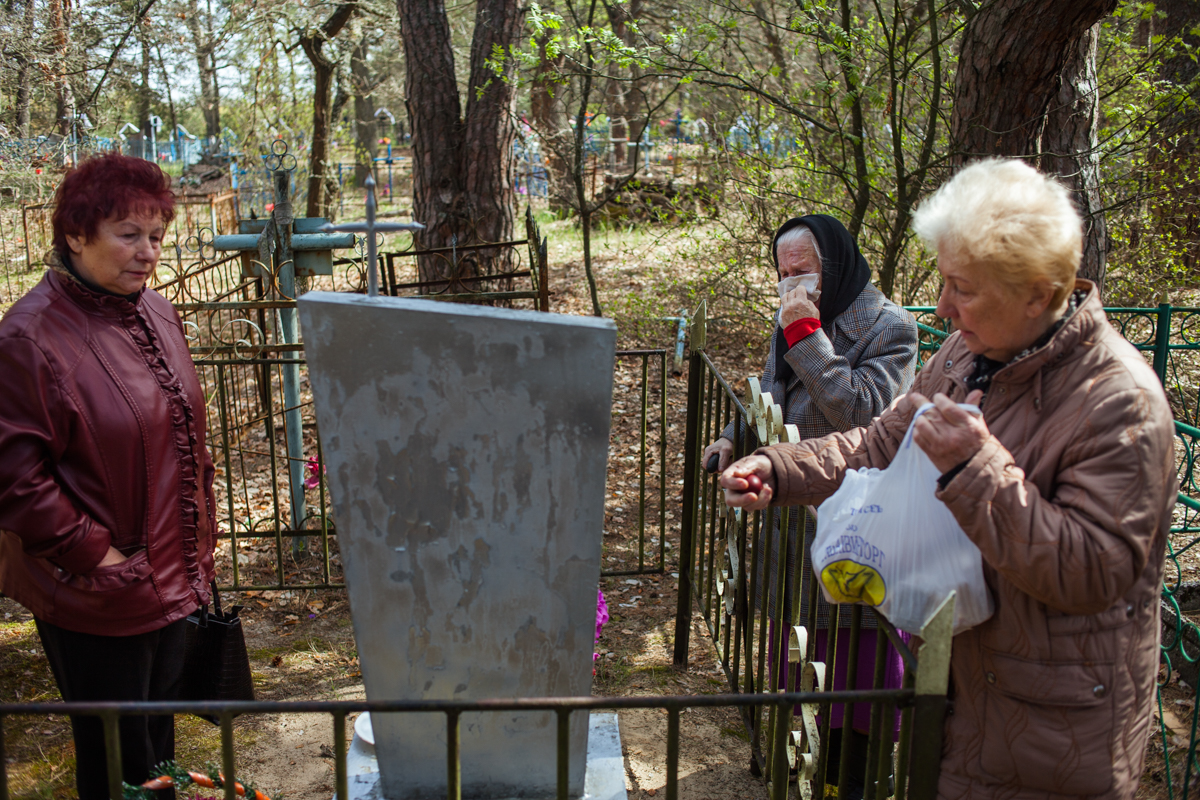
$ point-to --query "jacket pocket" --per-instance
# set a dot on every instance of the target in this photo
(1118, 616)
(1048, 725)
(107, 579)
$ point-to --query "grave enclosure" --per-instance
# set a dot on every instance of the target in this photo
(239, 318)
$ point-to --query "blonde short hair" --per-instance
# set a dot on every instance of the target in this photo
(1006, 215)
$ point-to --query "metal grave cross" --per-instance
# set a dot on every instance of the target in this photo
(370, 228)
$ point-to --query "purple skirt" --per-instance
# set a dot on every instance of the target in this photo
(893, 671)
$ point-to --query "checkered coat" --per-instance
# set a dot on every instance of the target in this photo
(838, 384)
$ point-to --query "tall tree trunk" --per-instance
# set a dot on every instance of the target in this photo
(1013, 54)
(637, 107)
(549, 121)
(489, 171)
(321, 201)
(25, 68)
(614, 92)
(774, 45)
(1026, 85)
(206, 65)
(366, 137)
(435, 117)
(162, 65)
(1070, 148)
(463, 168)
(64, 106)
(144, 94)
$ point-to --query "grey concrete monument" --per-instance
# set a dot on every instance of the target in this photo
(465, 449)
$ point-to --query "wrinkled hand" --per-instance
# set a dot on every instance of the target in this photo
(111, 558)
(948, 434)
(749, 483)
(796, 305)
(723, 448)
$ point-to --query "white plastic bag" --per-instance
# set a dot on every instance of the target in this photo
(884, 539)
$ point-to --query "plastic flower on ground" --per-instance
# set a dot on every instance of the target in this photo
(601, 618)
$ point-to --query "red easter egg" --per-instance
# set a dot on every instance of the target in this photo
(755, 483)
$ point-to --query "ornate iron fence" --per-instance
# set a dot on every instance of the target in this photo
(270, 493)
(727, 575)
(465, 282)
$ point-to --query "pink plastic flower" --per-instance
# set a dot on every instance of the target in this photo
(314, 469)
(601, 618)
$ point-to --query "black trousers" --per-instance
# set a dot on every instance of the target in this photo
(87, 667)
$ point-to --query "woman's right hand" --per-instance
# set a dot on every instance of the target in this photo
(723, 448)
(111, 558)
(796, 305)
(749, 483)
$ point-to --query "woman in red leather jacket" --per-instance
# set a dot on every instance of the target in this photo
(106, 513)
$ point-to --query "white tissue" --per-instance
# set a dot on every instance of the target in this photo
(808, 281)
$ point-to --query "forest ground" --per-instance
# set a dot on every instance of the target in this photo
(302, 642)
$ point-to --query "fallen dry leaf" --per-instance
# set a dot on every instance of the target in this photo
(1172, 721)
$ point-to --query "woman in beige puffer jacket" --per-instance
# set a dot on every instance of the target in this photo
(1066, 485)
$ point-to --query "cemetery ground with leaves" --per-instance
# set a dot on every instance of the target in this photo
(302, 643)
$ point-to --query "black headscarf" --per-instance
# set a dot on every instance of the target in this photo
(844, 274)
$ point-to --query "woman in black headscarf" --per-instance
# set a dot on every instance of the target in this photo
(840, 353)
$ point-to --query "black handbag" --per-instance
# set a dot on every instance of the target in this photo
(216, 665)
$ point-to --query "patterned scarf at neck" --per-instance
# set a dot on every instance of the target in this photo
(985, 368)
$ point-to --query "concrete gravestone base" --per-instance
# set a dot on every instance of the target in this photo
(465, 453)
(604, 780)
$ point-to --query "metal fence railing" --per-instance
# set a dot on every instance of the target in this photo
(932, 672)
(271, 497)
(722, 575)
(468, 271)
(734, 572)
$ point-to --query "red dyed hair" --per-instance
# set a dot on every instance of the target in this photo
(110, 186)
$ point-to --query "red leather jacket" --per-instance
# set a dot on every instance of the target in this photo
(102, 433)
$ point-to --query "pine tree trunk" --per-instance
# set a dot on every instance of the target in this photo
(1070, 149)
(64, 105)
(366, 136)
(202, 43)
(144, 95)
(636, 105)
(489, 169)
(25, 70)
(1026, 86)
(1013, 52)
(463, 167)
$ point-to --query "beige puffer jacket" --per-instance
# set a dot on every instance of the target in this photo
(1069, 502)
